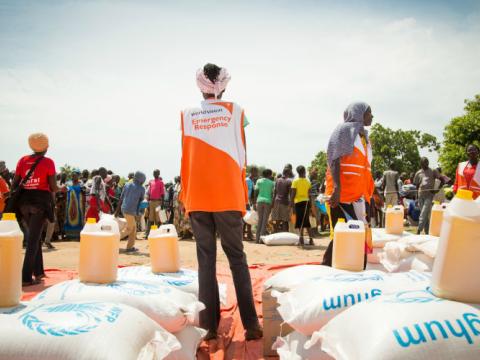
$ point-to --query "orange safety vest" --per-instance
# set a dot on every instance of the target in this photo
(462, 183)
(355, 174)
(213, 158)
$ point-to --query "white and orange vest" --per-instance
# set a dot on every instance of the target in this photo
(355, 174)
(462, 183)
(213, 158)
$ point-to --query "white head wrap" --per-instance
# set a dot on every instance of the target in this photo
(208, 87)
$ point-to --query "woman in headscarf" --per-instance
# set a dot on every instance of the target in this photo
(99, 201)
(349, 179)
(35, 204)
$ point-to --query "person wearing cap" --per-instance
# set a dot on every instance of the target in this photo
(132, 195)
(214, 194)
(35, 204)
(4, 186)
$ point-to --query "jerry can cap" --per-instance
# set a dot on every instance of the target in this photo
(436, 202)
(91, 221)
(9, 217)
(341, 220)
(154, 227)
(389, 206)
(464, 194)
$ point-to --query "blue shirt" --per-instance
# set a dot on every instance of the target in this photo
(250, 186)
(132, 196)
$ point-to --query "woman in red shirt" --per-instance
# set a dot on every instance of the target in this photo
(35, 204)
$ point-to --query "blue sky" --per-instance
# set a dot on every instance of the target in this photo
(107, 79)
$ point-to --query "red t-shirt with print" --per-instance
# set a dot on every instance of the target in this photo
(39, 179)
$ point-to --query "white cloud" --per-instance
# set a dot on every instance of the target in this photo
(107, 82)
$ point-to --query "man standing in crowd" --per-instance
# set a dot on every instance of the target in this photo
(214, 193)
(281, 196)
(132, 195)
(155, 195)
(425, 182)
(263, 201)
(390, 186)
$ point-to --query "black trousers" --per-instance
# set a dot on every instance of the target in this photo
(229, 225)
(33, 219)
(337, 213)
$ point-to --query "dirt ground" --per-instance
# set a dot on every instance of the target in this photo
(65, 255)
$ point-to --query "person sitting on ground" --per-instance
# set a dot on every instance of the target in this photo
(132, 195)
(300, 201)
(281, 195)
(263, 201)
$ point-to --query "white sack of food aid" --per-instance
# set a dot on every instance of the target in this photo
(372, 258)
(185, 279)
(412, 240)
(251, 217)
(169, 307)
(189, 339)
(380, 237)
(82, 331)
(396, 258)
(292, 347)
(283, 238)
(429, 248)
(409, 325)
(308, 307)
(293, 276)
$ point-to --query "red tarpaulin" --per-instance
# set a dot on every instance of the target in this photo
(231, 342)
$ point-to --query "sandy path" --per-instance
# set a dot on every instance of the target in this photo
(65, 256)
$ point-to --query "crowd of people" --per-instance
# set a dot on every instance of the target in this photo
(206, 203)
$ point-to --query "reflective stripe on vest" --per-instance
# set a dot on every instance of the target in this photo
(213, 158)
(355, 176)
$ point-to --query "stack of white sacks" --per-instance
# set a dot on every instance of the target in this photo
(140, 316)
(122, 314)
(395, 250)
(372, 314)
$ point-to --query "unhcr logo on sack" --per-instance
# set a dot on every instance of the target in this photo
(338, 302)
(467, 327)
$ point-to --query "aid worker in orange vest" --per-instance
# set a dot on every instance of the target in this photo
(468, 173)
(349, 181)
(214, 194)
